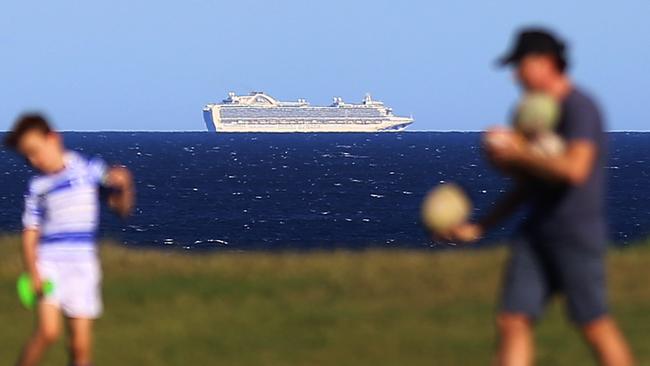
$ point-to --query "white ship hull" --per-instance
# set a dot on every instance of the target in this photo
(261, 113)
(215, 124)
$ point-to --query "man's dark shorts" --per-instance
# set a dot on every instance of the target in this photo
(539, 269)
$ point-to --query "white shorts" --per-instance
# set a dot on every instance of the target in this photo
(77, 286)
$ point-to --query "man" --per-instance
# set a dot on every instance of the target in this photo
(60, 223)
(560, 248)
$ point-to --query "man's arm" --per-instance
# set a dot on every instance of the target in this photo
(122, 199)
(573, 167)
(30, 242)
(504, 208)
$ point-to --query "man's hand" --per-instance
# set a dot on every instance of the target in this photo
(123, 199)
(504, 147)
(467, 233)
(464, 233)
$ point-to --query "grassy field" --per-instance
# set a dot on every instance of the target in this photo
(319, 308)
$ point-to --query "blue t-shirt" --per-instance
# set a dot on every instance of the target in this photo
(567, 213)
(64, 208)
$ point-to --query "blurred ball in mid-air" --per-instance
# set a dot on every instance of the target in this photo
(536, 112)
(445, 207)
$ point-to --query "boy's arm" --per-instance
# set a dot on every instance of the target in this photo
(30, 243)
(122, 199)
(32, 219)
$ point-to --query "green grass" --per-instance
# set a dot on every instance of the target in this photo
(319, 308)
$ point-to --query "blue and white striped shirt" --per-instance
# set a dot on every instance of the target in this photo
(64, 207)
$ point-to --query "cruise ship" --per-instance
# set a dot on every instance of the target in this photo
(260, 112)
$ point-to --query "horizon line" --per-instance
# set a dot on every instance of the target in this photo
(217, 132)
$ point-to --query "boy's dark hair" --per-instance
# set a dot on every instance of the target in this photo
(25, 123)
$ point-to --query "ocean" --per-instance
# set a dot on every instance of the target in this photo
(201, 190)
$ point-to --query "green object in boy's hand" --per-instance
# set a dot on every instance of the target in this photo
(26, 293)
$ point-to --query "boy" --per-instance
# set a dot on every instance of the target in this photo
(60, 223)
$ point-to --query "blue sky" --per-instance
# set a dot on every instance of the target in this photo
(152, 65)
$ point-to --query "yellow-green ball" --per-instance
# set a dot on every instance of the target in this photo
(444, 208)
(537, 112)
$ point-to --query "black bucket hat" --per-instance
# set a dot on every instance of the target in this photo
(534, 41)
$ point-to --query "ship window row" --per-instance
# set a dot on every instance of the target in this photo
(297, 122)
(298, 113)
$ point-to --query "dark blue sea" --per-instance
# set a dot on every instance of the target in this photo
(303, 191)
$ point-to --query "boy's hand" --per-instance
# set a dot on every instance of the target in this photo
(122, 200)
(37, 283)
